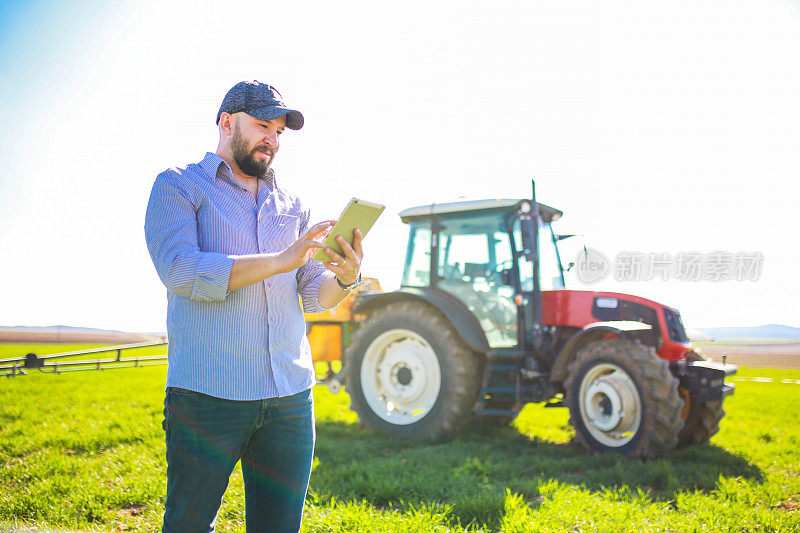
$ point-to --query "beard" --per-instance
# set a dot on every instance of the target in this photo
(245, 156)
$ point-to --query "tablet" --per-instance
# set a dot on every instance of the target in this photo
(358, 214)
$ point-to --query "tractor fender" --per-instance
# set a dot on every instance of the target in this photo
(591, 333)
(461, 318)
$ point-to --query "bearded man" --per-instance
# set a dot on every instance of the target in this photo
(233, 250)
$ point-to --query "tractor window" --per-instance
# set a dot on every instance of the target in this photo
(418, 256)
(456, 251)
(473, 252)
(550, 275)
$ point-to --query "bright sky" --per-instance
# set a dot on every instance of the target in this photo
(656, 126)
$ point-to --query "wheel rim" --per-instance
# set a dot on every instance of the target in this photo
(400, 376)
(610, 405)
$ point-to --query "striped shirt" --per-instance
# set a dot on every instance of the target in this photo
(246, 344)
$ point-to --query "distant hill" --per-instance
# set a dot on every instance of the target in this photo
(74, 334)
(53, 329)
(768, 331)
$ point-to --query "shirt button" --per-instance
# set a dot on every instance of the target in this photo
(269, 284)
(270, 319)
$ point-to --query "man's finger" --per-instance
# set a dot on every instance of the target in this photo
(319, 227)
(336, 258)
(346, 248)
(333, 267)
(357, 243)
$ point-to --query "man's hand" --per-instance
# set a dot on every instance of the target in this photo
(249, 269)
(346, 268)
(303, 248)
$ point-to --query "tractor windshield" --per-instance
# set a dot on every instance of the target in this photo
(473, 252)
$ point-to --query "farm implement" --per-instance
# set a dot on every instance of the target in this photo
(82, 360)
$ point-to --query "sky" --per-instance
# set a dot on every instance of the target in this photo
(657, 127)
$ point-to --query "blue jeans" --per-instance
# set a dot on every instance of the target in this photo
(206, 436)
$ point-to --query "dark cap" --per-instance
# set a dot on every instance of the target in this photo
(261, 101)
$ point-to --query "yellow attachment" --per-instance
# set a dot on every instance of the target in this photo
(325, 328)
(342, 313)
(326, 341)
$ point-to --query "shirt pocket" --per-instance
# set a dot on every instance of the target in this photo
(283, 229)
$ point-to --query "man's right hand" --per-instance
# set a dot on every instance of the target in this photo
(249, 269)
(303, 248)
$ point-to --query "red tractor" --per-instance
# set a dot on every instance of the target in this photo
(482, 325)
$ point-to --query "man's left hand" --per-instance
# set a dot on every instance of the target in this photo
(346, 268)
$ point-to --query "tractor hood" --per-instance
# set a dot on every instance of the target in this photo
(568, 308)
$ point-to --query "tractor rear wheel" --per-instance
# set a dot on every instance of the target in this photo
(700, 419)
(409, 374)
(622, 398)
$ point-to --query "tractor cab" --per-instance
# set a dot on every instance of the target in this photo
(476, 252)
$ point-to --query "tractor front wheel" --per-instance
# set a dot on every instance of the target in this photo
(409, 374)
(622, 398)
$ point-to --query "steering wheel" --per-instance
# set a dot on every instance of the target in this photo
(497, 275)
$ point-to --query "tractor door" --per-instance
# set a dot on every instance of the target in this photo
(551, 273)
(473, 253)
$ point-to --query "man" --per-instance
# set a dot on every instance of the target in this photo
(233, 249)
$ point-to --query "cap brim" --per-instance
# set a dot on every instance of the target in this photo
(294, 118)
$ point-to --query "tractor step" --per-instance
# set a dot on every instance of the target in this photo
(500, 389)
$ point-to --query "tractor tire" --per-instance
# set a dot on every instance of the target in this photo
(623, 399)
(700, 419)
(409, 374)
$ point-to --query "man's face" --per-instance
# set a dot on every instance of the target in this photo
(254, 142)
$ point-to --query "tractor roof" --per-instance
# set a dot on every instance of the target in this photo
(473, 207)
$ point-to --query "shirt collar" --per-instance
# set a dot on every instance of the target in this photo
(216, 167)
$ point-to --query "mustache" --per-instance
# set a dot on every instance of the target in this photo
(266, 149)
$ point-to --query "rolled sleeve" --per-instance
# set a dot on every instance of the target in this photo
(309, 278)
(171, 235)
(211, 277)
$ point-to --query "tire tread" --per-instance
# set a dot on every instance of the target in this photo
(461, 377)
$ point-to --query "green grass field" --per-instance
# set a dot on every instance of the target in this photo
(85, 451)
